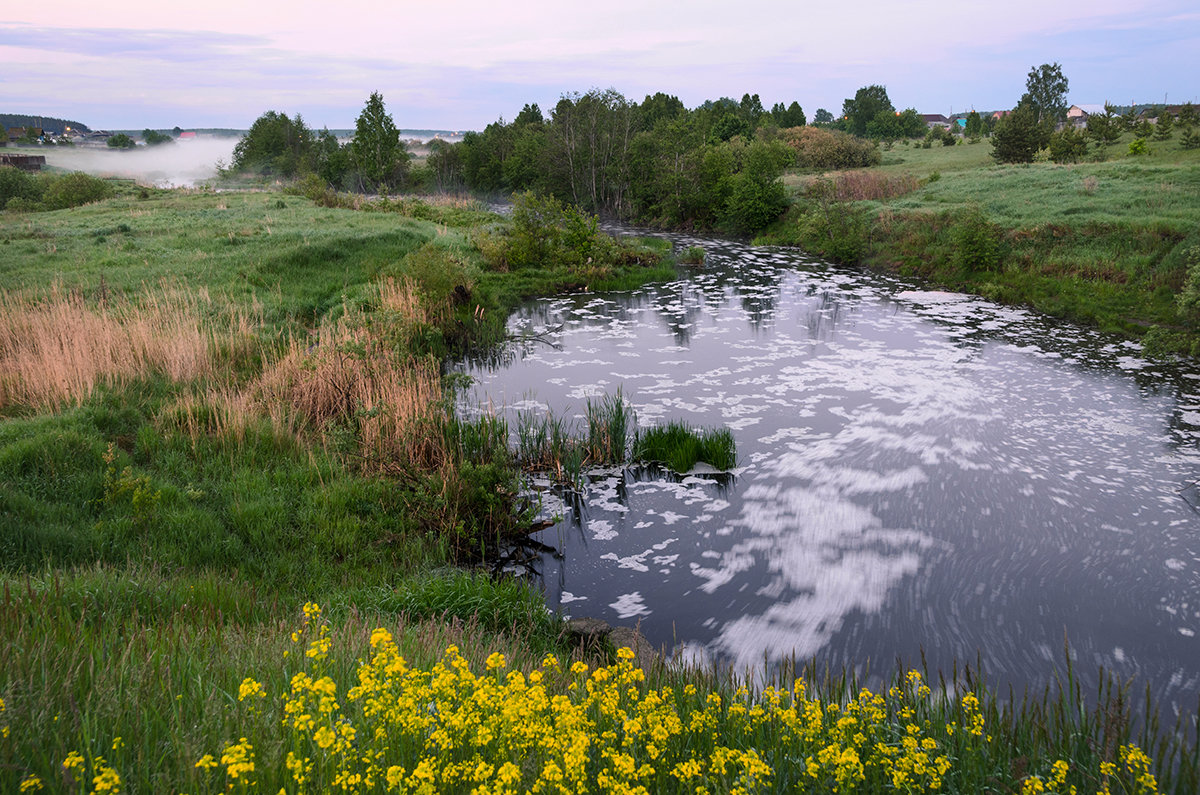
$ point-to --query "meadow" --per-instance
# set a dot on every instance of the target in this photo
(1103, 242)
(220, 410)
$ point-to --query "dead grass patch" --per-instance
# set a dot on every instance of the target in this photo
(873, 185)
(57, 348)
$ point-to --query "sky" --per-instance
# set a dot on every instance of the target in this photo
(463, 65)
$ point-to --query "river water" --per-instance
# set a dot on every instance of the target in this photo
(919, 472)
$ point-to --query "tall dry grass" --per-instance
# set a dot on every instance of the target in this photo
(344, 376)
(402, 297)
(873, 185)
(58, 347)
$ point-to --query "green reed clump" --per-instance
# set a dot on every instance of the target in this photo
(608, 423)
(680, 447)
(550, 444)
(692, 255)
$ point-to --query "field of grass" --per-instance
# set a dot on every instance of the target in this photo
(1102, 243)
(216, 408)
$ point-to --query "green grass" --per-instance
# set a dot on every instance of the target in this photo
(1101, 243)
(681, 447)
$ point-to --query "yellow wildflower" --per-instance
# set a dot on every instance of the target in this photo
(31, 783)
(324, 737)
(238, 758)
(250, 689)
(106, 779)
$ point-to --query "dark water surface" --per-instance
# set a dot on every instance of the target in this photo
(917, 471)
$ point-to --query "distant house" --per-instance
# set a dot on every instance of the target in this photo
(1000, 114)
(187, 136)
(17, 133)
(1077, 115)
(935, 120)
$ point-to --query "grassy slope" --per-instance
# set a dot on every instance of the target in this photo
(1099, 243)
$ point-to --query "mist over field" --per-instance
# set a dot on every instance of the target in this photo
(182, 164)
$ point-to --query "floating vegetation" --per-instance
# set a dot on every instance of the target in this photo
(681, 447)
(692, 255)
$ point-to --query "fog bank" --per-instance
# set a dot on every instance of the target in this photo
(182, 164)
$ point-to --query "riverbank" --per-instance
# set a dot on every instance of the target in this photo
(1106, 244)
(219, 408)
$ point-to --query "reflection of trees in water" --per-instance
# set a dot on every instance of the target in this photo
(823, 315)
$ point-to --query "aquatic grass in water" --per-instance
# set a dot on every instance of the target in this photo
(549, 444)
(680, 447)
(608, 421)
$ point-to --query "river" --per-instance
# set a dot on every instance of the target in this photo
(919, 472)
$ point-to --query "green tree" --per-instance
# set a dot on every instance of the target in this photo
(974, 127)
(752, 109)
(866, 107)
(728, 126)
(154, 137)
(121, 141)
(1018, 136)
(658, 107)
(822, 116)
(1046, 92)
(1165, 127)
(1105, 128)
(445, 164)
(793, 116)
(378, 154)
(331, 159)
(1068, 145)
(275, 146)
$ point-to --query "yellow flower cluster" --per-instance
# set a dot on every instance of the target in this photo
(406, 729)
(105, 779)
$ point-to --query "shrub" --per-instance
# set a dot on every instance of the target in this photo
(545, 232)
(836, 230)
(19, 204)
(121, 141)
(1188, 302)
(1138, 147)
(692, 255)
(1189, 138)
(817, 147)
(73, 190)
(756, 197)
(15, 183)
(1068, 145)
(977, 242)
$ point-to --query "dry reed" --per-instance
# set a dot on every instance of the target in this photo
(59, 347)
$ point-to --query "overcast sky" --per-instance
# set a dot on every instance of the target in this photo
(462, 65)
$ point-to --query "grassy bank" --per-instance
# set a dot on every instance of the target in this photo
(218, 408)
(1102, 243)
